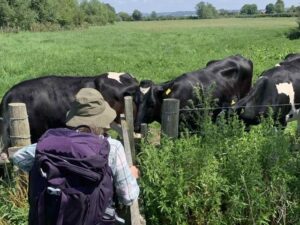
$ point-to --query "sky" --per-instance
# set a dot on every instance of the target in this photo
(147, 6)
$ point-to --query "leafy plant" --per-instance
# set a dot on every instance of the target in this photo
(226, 176)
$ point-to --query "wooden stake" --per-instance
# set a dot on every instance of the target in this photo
(170, 117)
(130, 121)
(19, 125)
(134, 208)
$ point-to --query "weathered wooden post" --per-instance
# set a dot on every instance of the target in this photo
(134, 208)
(298, 128)
(130, 122)
(19, 125)
(19, 129)
(170, 117)
(144, 130)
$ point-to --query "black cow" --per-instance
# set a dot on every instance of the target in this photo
(229, 78)
(48, 99)
(278, 89)
(291, 58)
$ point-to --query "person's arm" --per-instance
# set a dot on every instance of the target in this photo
(24, 158)
(125, 183)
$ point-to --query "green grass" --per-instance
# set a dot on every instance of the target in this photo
(158, 50)
(150, 50)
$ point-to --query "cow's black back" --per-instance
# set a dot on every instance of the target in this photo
(49, 98)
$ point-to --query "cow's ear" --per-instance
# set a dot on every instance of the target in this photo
(166, 89)
(146, 83)
(159, 91)
(229, 72)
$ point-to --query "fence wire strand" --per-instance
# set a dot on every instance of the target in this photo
(232, 107)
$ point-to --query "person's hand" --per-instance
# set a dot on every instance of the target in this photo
(4, 157)
(135, 172)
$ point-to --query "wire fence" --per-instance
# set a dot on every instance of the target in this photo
(171, 115)
(234, 107)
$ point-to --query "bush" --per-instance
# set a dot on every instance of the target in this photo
(25, 14)
(225, 176)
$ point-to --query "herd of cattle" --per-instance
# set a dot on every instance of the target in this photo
(48, 98)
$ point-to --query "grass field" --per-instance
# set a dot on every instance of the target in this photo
(152, 50)
(160, 51)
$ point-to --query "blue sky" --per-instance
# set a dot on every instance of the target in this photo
(147, 6)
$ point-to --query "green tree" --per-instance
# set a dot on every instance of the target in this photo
(79, 17)
(153, 15)
(97, 12)
(46, 10)
(279, 6)
(206, 10)
(249, 9)
(6, 14)
(66, 12)
(137, 15)
(298, 13)
(270, 8)
(111, 13)
(24, 16)
(124, 16)
(292, 9)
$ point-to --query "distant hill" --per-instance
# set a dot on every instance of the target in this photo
(175, 14)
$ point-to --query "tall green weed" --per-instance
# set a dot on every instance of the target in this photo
(224, 176)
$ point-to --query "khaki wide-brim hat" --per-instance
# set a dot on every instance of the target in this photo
(90, 108)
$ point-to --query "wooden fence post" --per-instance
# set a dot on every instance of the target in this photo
(130, 123)
(298, 128)
(19, 130)
(134, 208)
(144, 130)
(170, 117)
(19, 125)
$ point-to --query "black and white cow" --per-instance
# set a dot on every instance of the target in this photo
(291, 58)
(48, 99)
(279, 89)
(229, 78)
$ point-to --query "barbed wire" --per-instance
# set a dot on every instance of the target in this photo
(232, 107)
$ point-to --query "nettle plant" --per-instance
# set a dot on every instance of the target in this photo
(223, 175)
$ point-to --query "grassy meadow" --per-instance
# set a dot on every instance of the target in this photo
(225, 177)
(149, 50)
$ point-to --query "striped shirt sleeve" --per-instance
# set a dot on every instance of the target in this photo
(24, 158)
(126, 185)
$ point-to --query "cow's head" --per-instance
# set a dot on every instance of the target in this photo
(114, 87)
(258, 102)
(150, 101)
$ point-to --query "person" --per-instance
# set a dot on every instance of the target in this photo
(91, 110)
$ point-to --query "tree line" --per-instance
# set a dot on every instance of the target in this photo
(39, 15)
(54, 14)
(205, 10)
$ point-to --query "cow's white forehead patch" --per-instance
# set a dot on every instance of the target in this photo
(115, 76)
(287, 89)
(144, 90)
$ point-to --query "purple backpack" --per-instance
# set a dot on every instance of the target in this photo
(70, 182)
